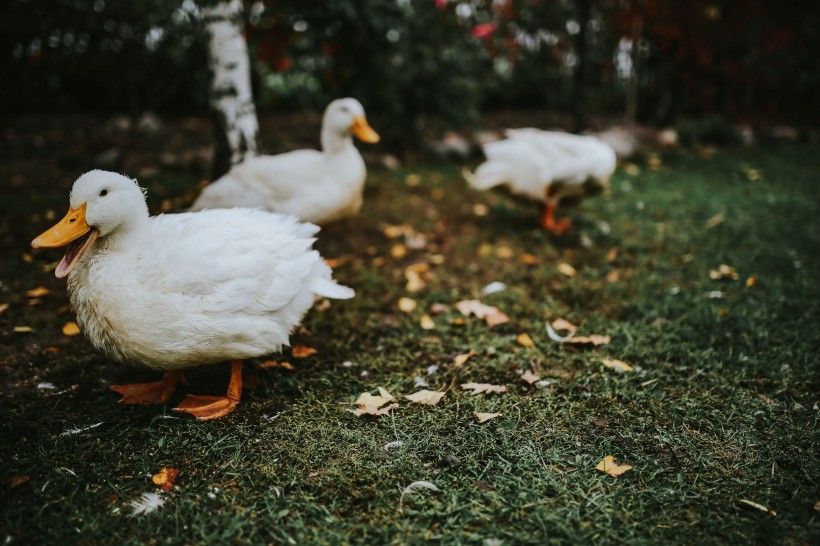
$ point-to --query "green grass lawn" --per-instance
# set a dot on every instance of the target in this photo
(721, 405)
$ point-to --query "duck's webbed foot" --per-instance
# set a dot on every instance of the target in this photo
(157, 392)
(213, 407)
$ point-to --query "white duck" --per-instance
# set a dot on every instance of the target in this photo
(548, 166)
(174, 291)
(314, 186)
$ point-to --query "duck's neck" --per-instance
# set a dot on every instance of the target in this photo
(334, 142)
(128, 235)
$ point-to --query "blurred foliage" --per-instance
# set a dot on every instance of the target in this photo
(422, 66)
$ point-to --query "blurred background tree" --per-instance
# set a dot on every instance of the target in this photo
(424, 66)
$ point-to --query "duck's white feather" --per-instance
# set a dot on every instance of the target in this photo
(315, 186)
(180, 290)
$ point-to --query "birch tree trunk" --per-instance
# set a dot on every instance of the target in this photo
(236, 128)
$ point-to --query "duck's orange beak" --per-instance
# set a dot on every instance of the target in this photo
(364, 131)
(71, 229)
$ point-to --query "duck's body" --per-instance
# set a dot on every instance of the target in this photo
(175, 291)
(546, 165)
(315, 186)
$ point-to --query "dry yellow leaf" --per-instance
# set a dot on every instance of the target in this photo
(398, 251)
(3, 307)
(427, 323)
(301, 351)
(612, 276)
(276, 364)
(504, 252)
(612, 254)
(491, 315)
(412, 179)
(751, 281)
(437, 308)
(486, 388)
(372, 405)
(22, 329)
(485, 249)
(484, 417)
(71, 329)
(530, 377)
(165, 478)
(429, 398)
(612, 468)
(407, 305)
(437, 194)
(414, 275)
(723, 272)
(618, 365)
(461, 359)
(525, 340)
(758, 506)
(38, 292)
(631, 169)
(593, 339)
(561, 324)
(392, 232)
(715, 220)
(566, 269)
(480, 209)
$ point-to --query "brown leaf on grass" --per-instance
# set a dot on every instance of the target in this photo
(504, 252)
(333, 263)
(429, 398)
(302, 351)
(427, 323)
(16, 481)
(480, 209)
(530, 377)
(372, 405)
(407, 305)
(612, 276)
(71, 329)
(396, 231)
(485, 388)
(484, 417)
(415, 276)
(529, 259)
(491, 315)
(561, 324)
(165, 478)
(612, 254)
(525, 340)
(276, 364)
(566, 269)
(38, 292)
(461, 359)
(715, 220)
(593, 339)
(437, 308)
(723, 272)
(618, 365)
(23, 329)
(750, 282)
(3, 307)
(612, 468)
(398, 251)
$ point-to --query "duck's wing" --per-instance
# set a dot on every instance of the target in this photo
(514, 162)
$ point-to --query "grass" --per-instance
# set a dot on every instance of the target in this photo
(721, 406)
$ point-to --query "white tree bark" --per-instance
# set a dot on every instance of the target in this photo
(237, 131)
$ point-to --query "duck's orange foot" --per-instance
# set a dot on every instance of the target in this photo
(207, 407)
(157, 392)
(561, 226)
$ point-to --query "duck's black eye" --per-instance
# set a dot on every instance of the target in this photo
(103, 193)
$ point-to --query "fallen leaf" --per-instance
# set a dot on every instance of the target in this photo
(612, 468)
(751, 174)
(594, 339)
(612, 276)
(407, 305)
(529, 259)
(398, 251)
(276, 364)
(461, 359)
(165, 478)
(530, 377)
(612, 254)
(525, 340)
(414, 275)
(484, 417)
(437, 308)
(71, 329)
(395, 231)
(302, 351)
(38, 292)
(23, 329)
(491, 315)
(631, 169)
(757, 506)
(427, 323)
(3, 307)
(715, 220)
(16, 481)
(723, 272)
(566, 269)
(561, 324)
(485, 388)
(333, 263)
(504, 252)
(750, 282)
(722, 312)
(430, 398)
(619, 365)
(372, 405)
(480, 209)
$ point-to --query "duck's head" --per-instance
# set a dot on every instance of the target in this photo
(102, 204)
(346, 116)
